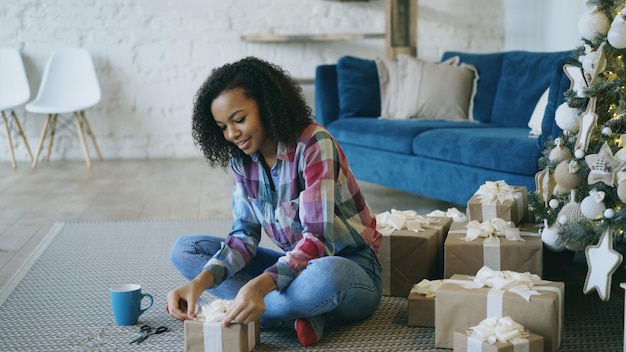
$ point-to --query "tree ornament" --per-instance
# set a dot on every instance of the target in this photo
(621, 186)
(550, 236)
(544, 184)
(593, 23)
(609, 213)
(593, 62)
(567, 118)
(579, 154)
(607, 131)
(602, 261)
(553, 203)
(566, 174)
(603, 166)
(587, 124)
(560, 152)
(593, 205)
(616, 35)
(577, 78)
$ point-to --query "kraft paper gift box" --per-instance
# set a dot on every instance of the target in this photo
(497, 335)
(457, 306)
(411, 253)
(421, 303)
(465, 256)
(204, 336)
(498, 200)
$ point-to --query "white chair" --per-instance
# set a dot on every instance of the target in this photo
(14, 91)
(69, 85)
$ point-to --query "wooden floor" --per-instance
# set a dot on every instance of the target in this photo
(31, 201)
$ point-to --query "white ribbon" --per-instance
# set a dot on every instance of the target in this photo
(497, 329)
(454, 213)
(388, 222)
(427, 288)
(493, 192)
(514, 282)
(491, 229)
(214, 311)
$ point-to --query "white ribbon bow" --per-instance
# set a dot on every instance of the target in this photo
(214, 311)
(389, 222)
(491, 229)
(598, 196)
(497, 329)
(454, 213)
(427, 288)
(514, 282)
(493, 192)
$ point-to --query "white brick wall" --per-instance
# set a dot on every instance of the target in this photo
(152, 55)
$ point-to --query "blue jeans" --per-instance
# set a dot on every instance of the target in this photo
(345, 287)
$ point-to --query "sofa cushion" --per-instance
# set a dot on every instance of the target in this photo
(505, 149)
(412, 88)
(524, 77)
(390, 135)
(488, 67)
(358, 87)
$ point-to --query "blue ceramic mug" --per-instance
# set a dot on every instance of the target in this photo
(126, 303)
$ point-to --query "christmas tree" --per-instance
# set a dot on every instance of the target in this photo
(580, 193)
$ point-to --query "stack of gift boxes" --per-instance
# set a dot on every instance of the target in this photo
(476, 279)
(485, 293)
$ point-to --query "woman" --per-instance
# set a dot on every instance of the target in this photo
(291, 179)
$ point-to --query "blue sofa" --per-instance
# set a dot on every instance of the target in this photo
(440, 159)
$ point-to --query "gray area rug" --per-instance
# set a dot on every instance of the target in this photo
(62, 301)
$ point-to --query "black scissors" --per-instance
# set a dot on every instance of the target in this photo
(147, 330)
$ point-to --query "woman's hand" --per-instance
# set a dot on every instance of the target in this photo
(181, 301)
(249, 305)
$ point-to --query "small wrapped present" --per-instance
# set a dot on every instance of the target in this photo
(495, 243)
(536, 304)
(421, 303)
(498, 200)
(206, 334)
(497, 335)
(411, 249)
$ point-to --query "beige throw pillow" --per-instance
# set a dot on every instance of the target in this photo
(537, 117)
(389, 86)
(439, 91)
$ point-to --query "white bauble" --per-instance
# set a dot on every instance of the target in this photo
(617, 33)
(549, 236)
(593, 23)
(591, 208)
(621, 191)
(567, 118)
(560, 153)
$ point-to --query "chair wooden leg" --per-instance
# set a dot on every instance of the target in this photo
(53, 129)
(42, 139)
(93, 138)
(6, 127)
(21, 131)
(81, 136)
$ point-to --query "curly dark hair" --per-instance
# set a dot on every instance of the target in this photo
(282, 107)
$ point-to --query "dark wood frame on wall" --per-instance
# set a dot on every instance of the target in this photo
(401, 28)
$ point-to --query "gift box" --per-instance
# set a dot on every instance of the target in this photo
(469, 247)
(421, 303)
(498, 200)
(536, 304)
(464, 343)
(205, 336)
(205, 333)
(411, 253)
